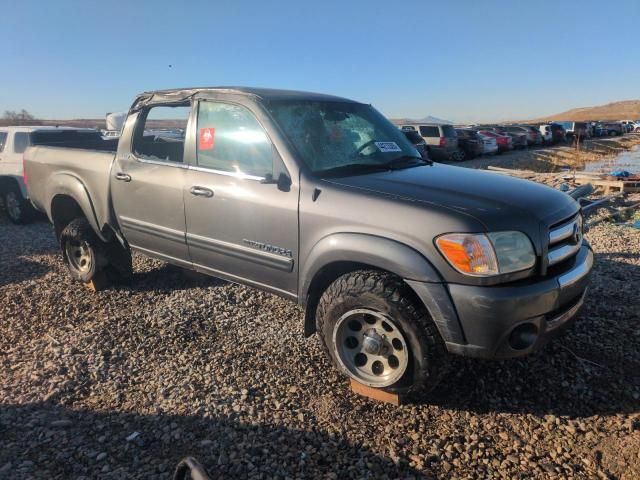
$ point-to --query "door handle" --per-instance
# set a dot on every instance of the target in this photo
(201, 192)
(123, 176)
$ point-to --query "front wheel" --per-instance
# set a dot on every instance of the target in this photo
(377, 332)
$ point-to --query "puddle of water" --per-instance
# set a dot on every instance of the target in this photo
(629, 161)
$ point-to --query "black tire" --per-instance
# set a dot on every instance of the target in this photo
(19, 209)
(108, 261)
(390, 296)
(77, 237)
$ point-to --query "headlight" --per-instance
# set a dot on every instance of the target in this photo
(481, 255)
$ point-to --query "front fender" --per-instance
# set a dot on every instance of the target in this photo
(371, 250)
(71, 186)
(384, 254)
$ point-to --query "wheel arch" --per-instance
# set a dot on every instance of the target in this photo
(341, 253)
(69, 200)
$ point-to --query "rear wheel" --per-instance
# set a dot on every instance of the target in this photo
(459, 155)
(82, 250)
(88, 258)
(376, 332)
(19, 210)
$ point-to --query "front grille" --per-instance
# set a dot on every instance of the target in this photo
(565, 239)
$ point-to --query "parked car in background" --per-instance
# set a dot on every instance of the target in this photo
(504, 142)
(13, 142)
(628, 125)
(597, 129)
(575, 130)
(545, 132)
(469, 144)
(519, 139)
(489, 144)
(614, 129)
(533, 134)
(558, 133)
(418, 142)
(636, 127)
(441, 139)
(538, 138)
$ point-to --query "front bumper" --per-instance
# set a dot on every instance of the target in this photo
(509, 321)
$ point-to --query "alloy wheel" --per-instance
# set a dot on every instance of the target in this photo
(370, 348)
(80, 255)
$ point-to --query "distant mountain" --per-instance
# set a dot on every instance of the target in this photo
(624, 110)
(427, 119)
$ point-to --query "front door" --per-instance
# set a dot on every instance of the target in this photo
(147, 183)
(241, 224)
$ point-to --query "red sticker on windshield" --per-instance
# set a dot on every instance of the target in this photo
(207, 136)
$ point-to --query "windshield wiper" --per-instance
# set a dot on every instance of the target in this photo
(407, 161)
(353, 168)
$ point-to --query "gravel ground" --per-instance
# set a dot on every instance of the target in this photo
(125, 382)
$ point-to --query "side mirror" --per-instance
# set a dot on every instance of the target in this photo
(283, 182)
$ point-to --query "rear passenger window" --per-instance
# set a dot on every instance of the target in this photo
(230, 139)
(429, 131)
(160, 133)
(3, 140)
(20, 142)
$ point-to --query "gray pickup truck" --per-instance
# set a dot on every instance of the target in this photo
(398, 262)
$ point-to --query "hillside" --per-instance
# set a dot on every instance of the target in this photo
(624, 110)
(427, 119)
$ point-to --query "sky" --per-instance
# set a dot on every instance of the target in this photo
(463, 61)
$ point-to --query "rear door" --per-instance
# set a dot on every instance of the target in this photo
(147, 182)
(241, 225)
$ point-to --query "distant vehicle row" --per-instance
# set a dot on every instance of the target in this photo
(442, 142)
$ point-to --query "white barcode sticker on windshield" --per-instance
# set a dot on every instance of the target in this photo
(388, 147)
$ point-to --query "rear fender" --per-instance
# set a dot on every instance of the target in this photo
(71, 186)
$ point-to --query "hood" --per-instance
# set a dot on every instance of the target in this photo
(497, 201)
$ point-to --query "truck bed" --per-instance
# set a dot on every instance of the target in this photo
(48, 168)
